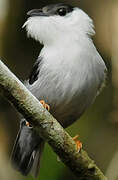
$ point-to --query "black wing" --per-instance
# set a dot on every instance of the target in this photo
(35, 71)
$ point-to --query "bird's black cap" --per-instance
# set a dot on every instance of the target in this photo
(53, 9)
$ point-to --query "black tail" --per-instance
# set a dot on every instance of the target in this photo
(27, 150)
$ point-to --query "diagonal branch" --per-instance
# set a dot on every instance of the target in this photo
(47, 127)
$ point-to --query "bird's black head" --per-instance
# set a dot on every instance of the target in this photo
(60, 9)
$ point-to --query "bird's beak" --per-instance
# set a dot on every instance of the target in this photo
(36, 12)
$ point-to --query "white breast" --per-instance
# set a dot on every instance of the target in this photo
(69, 78)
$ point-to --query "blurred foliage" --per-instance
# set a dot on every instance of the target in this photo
(97, 132)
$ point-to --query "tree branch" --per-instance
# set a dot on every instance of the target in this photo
(47, 127)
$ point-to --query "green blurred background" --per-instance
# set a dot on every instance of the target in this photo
(98, 127)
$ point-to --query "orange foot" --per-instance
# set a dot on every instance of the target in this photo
(77, 142)
(28, 124)
(46, 106)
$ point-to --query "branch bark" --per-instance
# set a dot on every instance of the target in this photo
(47, 126)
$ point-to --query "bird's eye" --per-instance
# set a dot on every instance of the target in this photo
(61, 11)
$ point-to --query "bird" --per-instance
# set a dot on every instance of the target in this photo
(66, 78)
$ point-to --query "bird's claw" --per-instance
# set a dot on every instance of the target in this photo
(28, 124)
(77, 142)
(46, 106)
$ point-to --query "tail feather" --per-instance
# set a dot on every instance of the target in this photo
(36, 164)
(27, 150)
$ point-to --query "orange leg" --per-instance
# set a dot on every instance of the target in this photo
(77, 142)
(28, 124)
(46, 106)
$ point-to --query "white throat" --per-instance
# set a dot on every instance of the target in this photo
(48, 30)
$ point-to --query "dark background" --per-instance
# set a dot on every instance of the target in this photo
(98, 127)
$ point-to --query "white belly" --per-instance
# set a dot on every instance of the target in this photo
(68, 90)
